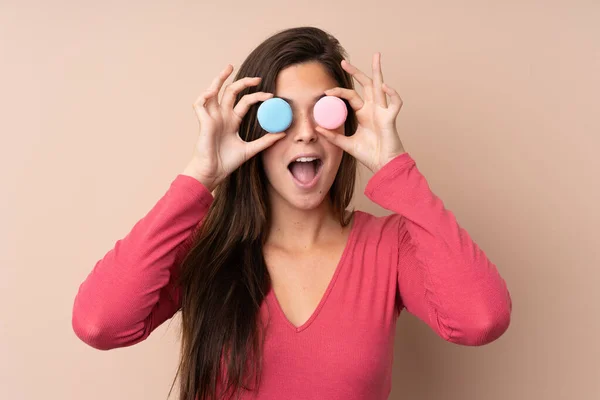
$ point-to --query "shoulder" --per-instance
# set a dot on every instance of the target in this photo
(375, 247)
(368, 221)
(372, 227)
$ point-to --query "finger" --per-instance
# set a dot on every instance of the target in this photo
(200, 103)
(356, 102)
(232, 90)
(203, 98)
(248, 100)
(360, 77)
(256, 146)
(341, 141)
(395, 99)
(201, 111)
(212, 102)
(378, 93)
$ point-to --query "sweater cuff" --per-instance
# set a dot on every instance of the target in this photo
(388, 171)
(194, 187)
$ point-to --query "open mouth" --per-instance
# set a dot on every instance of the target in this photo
(306, 171)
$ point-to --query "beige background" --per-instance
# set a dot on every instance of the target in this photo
(500, 112)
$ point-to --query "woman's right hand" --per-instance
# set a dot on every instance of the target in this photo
(220, 150)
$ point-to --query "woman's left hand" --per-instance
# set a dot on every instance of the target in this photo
(376, 140)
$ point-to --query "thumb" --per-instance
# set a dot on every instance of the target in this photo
(256, 146)
(337, 139)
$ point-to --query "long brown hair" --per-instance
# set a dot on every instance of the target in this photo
(224, 277)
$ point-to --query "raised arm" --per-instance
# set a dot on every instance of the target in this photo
(444, 278)
(130, 291)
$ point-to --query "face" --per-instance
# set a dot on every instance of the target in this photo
(302, 185)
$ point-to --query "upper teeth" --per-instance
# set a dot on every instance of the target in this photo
(306, 159)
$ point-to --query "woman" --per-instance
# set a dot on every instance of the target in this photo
(283, 292)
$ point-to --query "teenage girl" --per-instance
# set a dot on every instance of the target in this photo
(283, 292)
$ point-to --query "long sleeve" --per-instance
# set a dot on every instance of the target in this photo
(131, 290)
(444, 278)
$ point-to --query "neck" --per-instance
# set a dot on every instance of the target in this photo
(297, 229)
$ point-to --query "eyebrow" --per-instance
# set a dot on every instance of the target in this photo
(291, 102)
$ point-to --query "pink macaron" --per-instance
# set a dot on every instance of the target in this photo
(330, 112)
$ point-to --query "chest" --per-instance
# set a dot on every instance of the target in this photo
(301, 280)
(330, 319)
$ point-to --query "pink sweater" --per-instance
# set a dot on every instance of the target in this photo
(417, 258)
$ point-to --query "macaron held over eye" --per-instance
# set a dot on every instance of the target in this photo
(330, 112)
(275, 114)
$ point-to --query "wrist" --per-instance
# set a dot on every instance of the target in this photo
(191, 170)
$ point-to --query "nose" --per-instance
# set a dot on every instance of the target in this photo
(303, 130)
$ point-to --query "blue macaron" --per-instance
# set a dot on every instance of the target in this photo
(274, 115)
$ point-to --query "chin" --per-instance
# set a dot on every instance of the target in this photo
(285, 189)
(306, 202)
